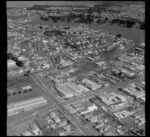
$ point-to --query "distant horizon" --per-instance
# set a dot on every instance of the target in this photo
(58, 3)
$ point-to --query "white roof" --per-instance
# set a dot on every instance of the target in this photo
(11, 63)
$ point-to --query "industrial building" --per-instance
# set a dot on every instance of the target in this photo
(65, 63)
(112, 98)
(79, 107)
(123, 114)
(74, 87)
(15, 108)
(113, 101)
(91, 84)
(135, 91)
(69, 89)
(87, 109)
(65, 91)
(83, 88)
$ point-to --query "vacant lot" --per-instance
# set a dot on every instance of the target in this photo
(24, 96)
(19, 81)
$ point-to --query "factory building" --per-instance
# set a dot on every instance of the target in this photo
(74, 87)
(15, 108)
(88, 115)
(112, 98)
(91, 84)
(65, 63)
(65, 91)
(79, 107)
(70, 89)
(90, 108)
(84, 111)
(114, 101)
(127, 73)
(123, 114)
(135, 91)
(117, 107)
(83, 88)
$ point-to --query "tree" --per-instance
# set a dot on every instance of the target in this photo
(14, 93)
(118, 35)
(19, 92)
(40, 27)
(142, 26)
(19, 63)
(25, 91)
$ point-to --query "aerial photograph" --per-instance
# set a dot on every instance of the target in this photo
(75, 68)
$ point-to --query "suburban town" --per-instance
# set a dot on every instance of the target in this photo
(75, 69)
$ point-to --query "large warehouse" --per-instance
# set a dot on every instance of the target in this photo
(15, 108)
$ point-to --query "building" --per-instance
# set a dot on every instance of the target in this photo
(62, 123)
(65, 91)
(67, 128)
(84, 111)
(128, 73)
(94, 119)
(88, 115)
(57, 119)
(79, 107)
(27, 133)
(112, 98)
(91, 106)
(26, 87)
(99, 125)
(91, 84)
(15, 108)
(74, 87)
(135, 91)
(65, 63)
(35, 129)
(118, 106)
(113, 101)
(70, 89)
(123, 114)
(87, 110)
(101, 63)
(83, 88)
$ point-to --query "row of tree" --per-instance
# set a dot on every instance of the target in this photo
(88, 19)
(19, 92)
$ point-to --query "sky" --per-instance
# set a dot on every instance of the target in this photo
(30, 3)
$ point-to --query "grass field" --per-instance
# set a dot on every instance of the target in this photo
(20, 97)
(19, 81)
